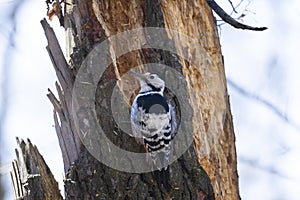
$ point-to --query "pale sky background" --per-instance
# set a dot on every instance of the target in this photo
(264, 78)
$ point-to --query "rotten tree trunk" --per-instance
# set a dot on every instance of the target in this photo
(89, 23)
(31, 177)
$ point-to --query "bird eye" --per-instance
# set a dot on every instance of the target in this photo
(151, 76)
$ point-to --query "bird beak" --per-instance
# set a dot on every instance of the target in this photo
(141, 76)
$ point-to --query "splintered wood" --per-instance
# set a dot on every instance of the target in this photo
(31, 177)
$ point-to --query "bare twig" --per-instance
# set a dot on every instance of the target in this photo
(238, 5)
(227, 18)
(266, 103)
(255, 164)
(233, 8)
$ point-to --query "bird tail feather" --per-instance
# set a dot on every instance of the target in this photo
(162, 178)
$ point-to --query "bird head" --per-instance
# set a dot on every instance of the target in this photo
(149, 82)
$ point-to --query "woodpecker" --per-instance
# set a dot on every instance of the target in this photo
(153, 119)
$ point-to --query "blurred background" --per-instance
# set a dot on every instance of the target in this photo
(263, 75)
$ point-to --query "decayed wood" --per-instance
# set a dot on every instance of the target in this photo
(16, 181)
(92, 21)
(31, 177)
(63, 72)
(212, 122)
(64, 124)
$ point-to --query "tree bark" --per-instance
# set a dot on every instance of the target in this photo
(31, 177)
(213, 152)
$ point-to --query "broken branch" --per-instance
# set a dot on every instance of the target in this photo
(228, 19)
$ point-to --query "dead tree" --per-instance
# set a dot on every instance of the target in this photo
(31, 177)
(208, 168)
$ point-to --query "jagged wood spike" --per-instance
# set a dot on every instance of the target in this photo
(67, 134)
(31, 177)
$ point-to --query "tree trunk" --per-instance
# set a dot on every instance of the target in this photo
(206, 101)
(31, 177)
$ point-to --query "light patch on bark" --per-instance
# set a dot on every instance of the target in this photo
(208, 94)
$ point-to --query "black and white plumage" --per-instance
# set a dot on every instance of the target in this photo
(153, 119)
